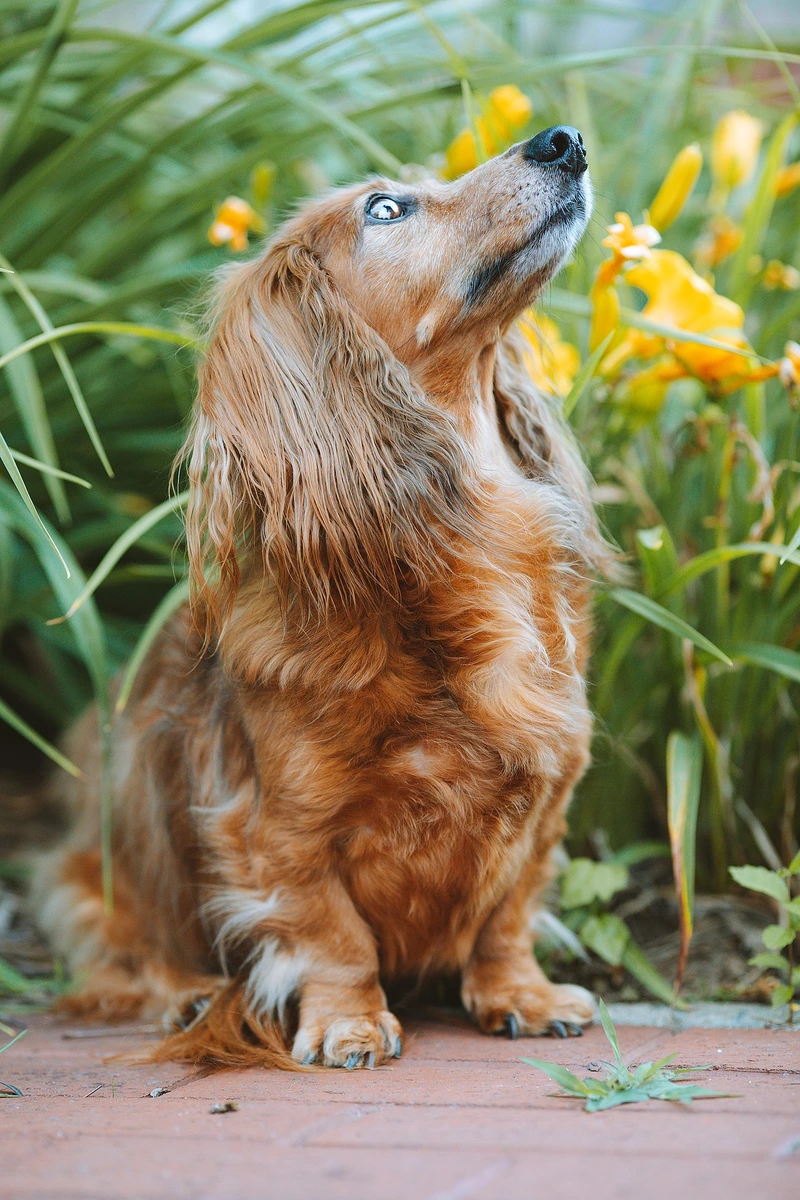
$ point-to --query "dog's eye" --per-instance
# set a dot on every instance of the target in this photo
(384, 208)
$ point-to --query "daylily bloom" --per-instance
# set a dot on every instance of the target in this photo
(645, 391)
(629, 241)
(679, 297)
(552, 363)
(787, 179)
(780, 275)
(678, 185)
(734, 151)
(506, 111)
(232, 222)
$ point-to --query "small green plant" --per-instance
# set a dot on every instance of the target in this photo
(586, 889)
(626, 1085)
(781, 937)
(9, 1089)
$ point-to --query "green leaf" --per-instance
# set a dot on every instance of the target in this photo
(12, 982)
(775, 937)
(775, 962)
(123, 543)
(607, 936)
(721, 555)
(611, 1033)
(775, 658)
(658, 557)
(173, 600)
(684, 773)
(759, 879)
(564, 1078)
(584, 881)
(794, 865)
(585, 375)
(636, 961)
(10, 717)
(22, 1032)
(782, 994)
(645, 607)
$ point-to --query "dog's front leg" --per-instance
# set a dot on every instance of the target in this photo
(503, 986)
(320, 950)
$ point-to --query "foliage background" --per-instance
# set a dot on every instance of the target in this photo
(125, 126)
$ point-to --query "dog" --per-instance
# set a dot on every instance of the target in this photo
(347, 765)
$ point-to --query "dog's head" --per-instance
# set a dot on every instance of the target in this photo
(329, 441)
(431, 265)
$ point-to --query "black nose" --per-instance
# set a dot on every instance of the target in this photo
(560, 146)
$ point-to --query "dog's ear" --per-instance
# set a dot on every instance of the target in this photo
(311, 449)
(545, 446)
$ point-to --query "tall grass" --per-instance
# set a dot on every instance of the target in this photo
(116, 146)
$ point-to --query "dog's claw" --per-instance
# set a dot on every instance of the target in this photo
(309, 1059)
(370, 1064)
(559, 1029)
(398, 1049)
(511, 1027)
(573, 1030)
(353, 1061)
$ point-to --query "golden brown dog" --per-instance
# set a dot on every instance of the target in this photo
(358, 775)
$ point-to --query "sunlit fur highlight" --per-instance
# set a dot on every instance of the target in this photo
(348, 766)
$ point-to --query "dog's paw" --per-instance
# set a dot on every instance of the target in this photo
(555, 1010)
(363, 1041)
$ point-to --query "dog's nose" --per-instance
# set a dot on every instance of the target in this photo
(559, 146)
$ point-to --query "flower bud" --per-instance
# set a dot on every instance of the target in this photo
(734, 149)
(677, 186)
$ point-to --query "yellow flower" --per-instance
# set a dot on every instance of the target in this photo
(509, 106)
(734, 150)
(506, 111)
(789, 367)
(629, 241)
(678, 296)
(780, 275)
(677, 186)
(722, 237)
(552, 364)
(787, 179)
(232, 222)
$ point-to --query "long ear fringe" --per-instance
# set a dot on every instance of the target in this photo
(548, 451)
(312, 449)
(228, 1034)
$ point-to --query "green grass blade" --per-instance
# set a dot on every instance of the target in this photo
(702, 563)
(26, 101)
(584, 377)
(112, 556)
(7, 459)
(775, 658)
(64, 364)
(647, 608)
(22, 727)
(636, 961)
(560, 1075)
(127, 328)
(684, 774)
(173, 600)
(46, 469)
(26, 391)
(611, 1033)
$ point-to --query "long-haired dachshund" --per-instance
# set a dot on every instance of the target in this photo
(351, 765)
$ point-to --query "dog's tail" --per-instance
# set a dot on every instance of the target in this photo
(227, 1033)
